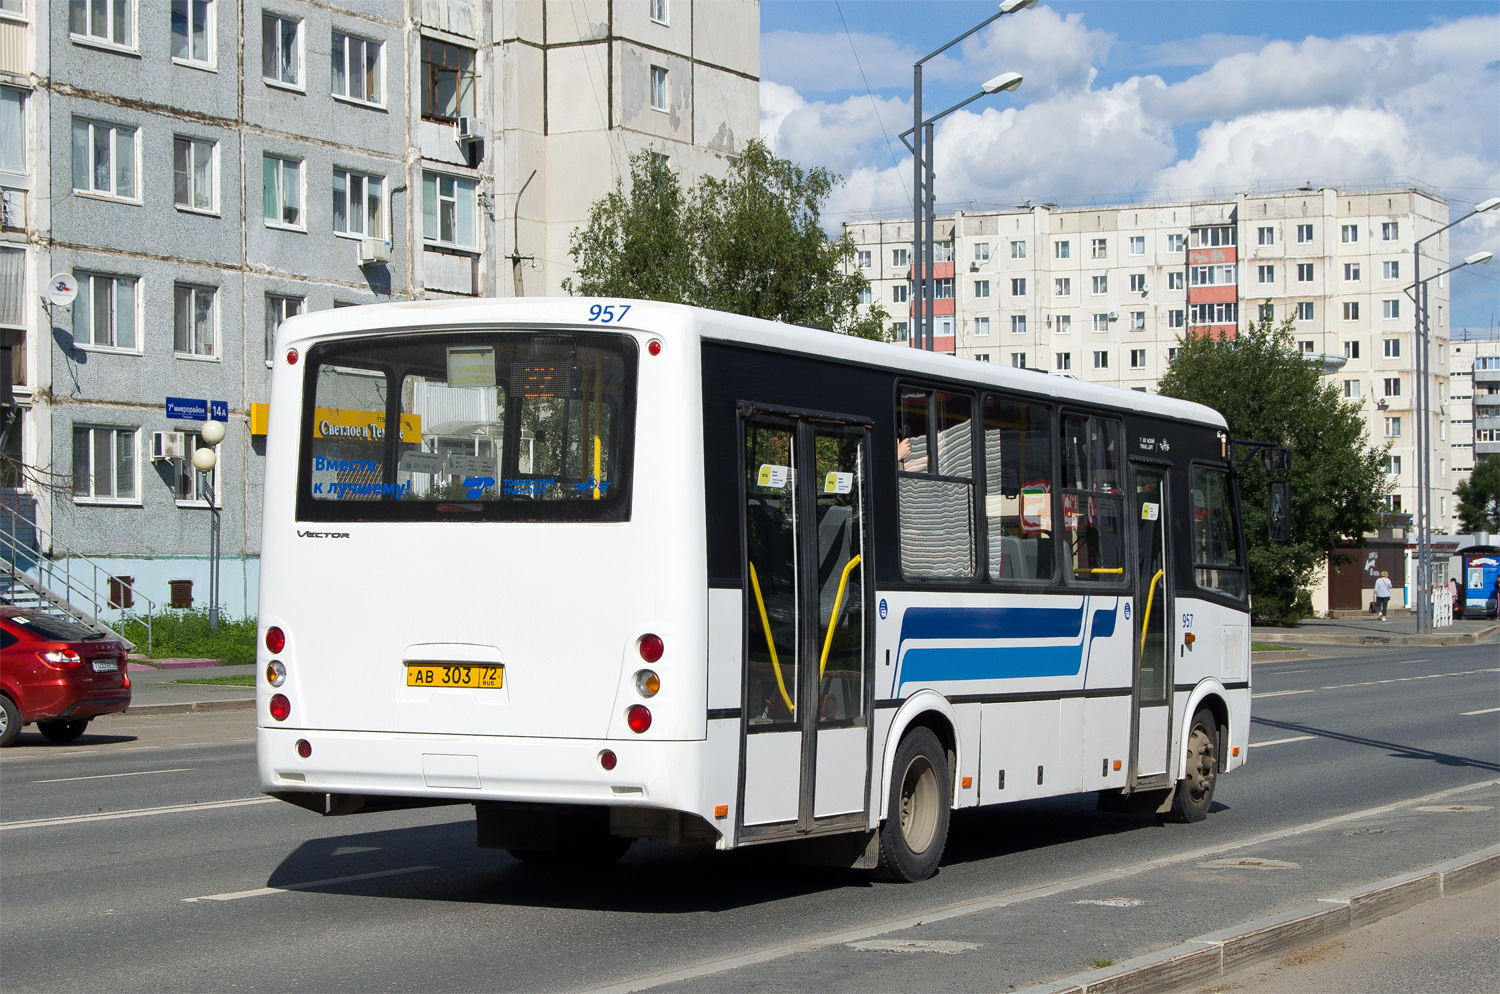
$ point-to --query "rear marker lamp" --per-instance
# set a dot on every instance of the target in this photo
(275, 639)
(638, 717)
(62, 659)
(647, 683)
(1235, 751)
(607, 759)
(275, 673)
(654, 346)
(304, 748)
(721, 811)
(281, 708)
(650, 647)
(1190, 638)
(291, 357)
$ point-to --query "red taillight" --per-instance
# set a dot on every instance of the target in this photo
(275, 639)
(638, 717)
(281, 708)
(607, 759)
(291, 357)
(304, 748)
(61, 659)
(651, 647)
(654, 346)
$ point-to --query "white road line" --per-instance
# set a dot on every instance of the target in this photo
(260, 891)
(1481, 711)
(1282, 693)
(1374, 683)
(107, 776)
(1277, 742)
(169, 809)
(989, 904)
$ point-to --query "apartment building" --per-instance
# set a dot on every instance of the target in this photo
(1106, 293)
(203, 170)
(1475, 403)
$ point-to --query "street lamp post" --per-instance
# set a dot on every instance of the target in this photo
(922, 202)
(204, 461)
(1424, 409)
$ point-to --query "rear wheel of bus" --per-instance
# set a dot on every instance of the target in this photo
(915, 828)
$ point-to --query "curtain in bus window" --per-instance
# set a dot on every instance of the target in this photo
(771, 614)
(1018, 445)
(1216, 556)
(838, 486)
(1092, 508)
(935, 495)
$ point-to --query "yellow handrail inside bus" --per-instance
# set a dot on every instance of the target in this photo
(833, 618)
(1118, 569)
(598, 389)
(1146, 618)
(770, 643)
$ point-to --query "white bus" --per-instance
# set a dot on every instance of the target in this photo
(612, 570)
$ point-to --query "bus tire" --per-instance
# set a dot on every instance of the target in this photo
(1195, 791)
(915, 828)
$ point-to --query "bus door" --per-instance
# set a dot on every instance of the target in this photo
(1151, 722)
(807, 679)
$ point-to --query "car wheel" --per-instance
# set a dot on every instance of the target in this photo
(1195, 791)
(915, 829)
(62, 730)
(10, 721)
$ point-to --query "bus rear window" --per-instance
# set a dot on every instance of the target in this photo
(503, 426)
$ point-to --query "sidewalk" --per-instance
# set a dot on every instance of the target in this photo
(155, 690)
(1401, 629)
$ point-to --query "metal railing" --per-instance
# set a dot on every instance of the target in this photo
(73, 584)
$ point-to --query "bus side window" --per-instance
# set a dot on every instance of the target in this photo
(935, 458)
(1216, 556)
(1018, 444)
(1092, 505)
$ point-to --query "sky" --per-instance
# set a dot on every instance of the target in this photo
(1149, 99)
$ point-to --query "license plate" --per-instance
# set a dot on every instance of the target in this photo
(106, 665)
(471, 676)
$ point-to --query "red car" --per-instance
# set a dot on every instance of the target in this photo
(58, 674)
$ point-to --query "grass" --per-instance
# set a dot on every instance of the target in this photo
(232, 680)
(1269, 647)
(1100, 962)
(186, 634)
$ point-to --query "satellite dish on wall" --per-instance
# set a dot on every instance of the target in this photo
(62, 289)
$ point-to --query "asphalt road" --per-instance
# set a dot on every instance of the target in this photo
(263, 896)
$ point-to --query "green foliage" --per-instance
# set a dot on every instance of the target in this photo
(1269, 392)
(232, 680)
(186, 634)
(1479, 496)
(751, 243)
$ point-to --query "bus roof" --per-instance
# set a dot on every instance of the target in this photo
(721, 326)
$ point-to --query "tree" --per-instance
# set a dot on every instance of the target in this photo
(751, 243)
(1269, 392)
(1479, 497)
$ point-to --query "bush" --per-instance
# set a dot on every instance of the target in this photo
(186, 633)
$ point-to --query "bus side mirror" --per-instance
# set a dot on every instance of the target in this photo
(1279, 511)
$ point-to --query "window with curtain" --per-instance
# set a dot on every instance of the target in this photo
(281, 191)
(105, 312)
(449, 208)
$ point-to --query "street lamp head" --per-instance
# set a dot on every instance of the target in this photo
(213, 432)
(1003, 82)
(1488, 205)
(1011, 6)
(1478, 258)
(204, 460)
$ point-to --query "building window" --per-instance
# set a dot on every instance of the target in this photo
(899, 329)
(898, 293)
(1215, 237)
(194, 168)
(1176, 243)
(1101, 322)
(1018, 360)
(1221, 275)
(1390, 231)
(658, 88)
(1351, 389)
(358, 204)
(1392, 427)
(1017, 250)
(1307, 347)
(981, 327)
(1351, 310)
(12, 130)
(281, 192)
(356, 69)
(898, 257)
(109, 21)
(1265, 236)
(1137, 320)
(1393, 502)
(942, 252)
(982, 251)
(1101, 285)
(943, 289)
(981, 357)
(862, 258)
(194, 321)
(1062, 287)
(1305, 311)
(1101, 360)
(1393, 348)
(1018, 287)
(104, 464)
(447, 81)
(1390, 270)
(1226, 312)
(1349, 233)
(1351, 272)
(659, 11)
(1176, 279)
(1137, 282)
(1099, 248)
(1265, 312)
(1137, 358)
(1065, 324)
(104, 159)
(1390, 309)
(278, 309)
(866, 295)
(1018, 324)
(281, 50)
(981, 288)
(1137, 244)
(1304, 234)
(189, 484)
(1393, 386)
(1175, 319)
(106, 312)
(1351, 350)
(1062, 249)
(1063, 360)
(1304, 272)
(1265, 274)
(193, 32)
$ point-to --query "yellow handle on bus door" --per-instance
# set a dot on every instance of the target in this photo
(1146, 618)
(834, 617)
(770, 642)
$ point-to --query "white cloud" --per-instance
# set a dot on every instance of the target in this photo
(1052, 52)
(1203, 50)
(821, 63)
(841, 136)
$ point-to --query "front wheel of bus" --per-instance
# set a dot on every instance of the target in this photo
(1195, 791)
(915, 829)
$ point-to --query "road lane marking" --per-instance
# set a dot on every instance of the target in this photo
(108, 776)
(169, 809)
(759, 956)
(1283, 693)
(1277, 742)
(1374, 683)
(1481, 711)
(261, 891)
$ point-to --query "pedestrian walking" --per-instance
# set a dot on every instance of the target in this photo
(1383, 593)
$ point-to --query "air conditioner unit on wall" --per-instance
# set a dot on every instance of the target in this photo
(470, 129)
(374, 251)
(168, 445)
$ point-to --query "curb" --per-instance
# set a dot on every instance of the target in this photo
(190, 707)
(1218, 953)
(1466, 638)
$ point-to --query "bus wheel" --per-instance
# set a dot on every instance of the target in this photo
(1195, 791)
(915, 829)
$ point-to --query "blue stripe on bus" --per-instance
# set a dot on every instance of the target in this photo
(990, 663)
(991, 623)
(1010, 662)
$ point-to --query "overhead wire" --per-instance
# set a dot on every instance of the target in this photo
(895, 161)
